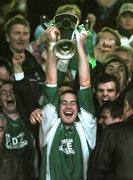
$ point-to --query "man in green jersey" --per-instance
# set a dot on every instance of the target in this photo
(17, 141)
(68, 122)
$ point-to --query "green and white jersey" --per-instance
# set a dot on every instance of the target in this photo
(66, 151)
(17, 135)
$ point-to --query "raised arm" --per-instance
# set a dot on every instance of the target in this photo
(51, 60)
(51, 70)
(83, 65)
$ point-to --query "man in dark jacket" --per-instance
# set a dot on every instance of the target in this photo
(112, 157)
(17, 31)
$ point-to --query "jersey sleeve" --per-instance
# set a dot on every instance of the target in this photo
(85, 97)
(87, 116)
(49, 111)
(50, 93)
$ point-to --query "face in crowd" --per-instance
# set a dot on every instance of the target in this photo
(18, 38)
(126, 56)
(105, 45)
(118, 70)
(7, 99)
(106, 92)
(126, 20)
(68, 108)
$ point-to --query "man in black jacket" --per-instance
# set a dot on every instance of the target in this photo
(112, 158)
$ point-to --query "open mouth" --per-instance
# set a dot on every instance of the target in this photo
(10, 102)
(104, 100)
(68, 113)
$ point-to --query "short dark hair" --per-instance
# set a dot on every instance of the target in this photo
(3, 82)
(71, 91)
(115, 108)
(115, 58)
(16, 20)
(104, 78)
